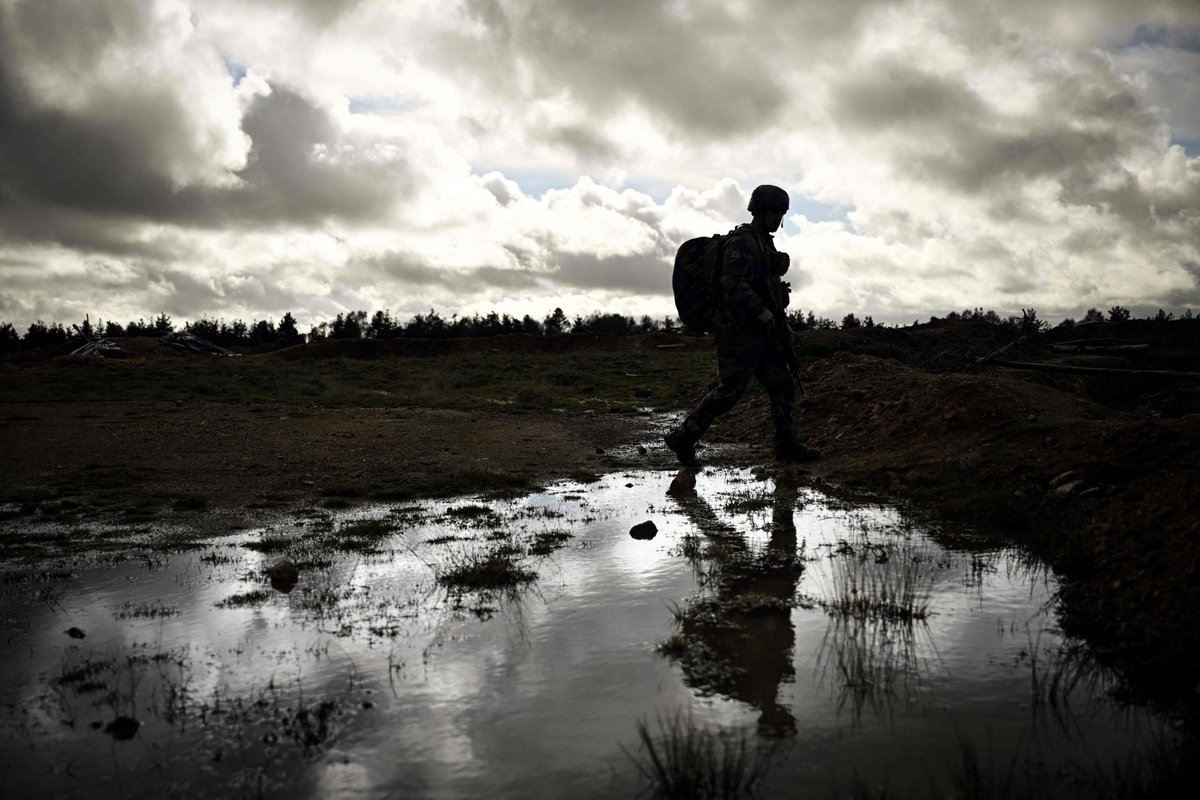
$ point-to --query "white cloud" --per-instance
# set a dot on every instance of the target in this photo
(245, 159)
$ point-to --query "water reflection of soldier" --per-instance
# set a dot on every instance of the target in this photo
(753, 339)
(740, 642)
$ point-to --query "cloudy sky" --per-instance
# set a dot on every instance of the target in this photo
(244, 158)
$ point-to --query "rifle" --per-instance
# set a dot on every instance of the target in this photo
(783, 332)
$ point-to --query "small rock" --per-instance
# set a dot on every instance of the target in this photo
(641, 450)
(599, 451)
(74, 632)
(1069, 475)
(284, 575)
(644, 530)
(122, 728)
(629, 486)
(1092, 492)
(1067, 488)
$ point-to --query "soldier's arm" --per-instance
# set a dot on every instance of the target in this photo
(735, 279)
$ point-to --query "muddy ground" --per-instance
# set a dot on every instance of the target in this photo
(1097, 473)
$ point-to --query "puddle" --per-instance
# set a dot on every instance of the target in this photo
(532, 647)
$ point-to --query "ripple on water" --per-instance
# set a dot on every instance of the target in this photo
(844, 637)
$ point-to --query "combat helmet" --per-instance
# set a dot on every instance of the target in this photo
(768, 198)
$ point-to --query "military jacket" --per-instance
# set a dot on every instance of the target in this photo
(748, 282)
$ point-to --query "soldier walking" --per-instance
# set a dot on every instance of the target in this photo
(750, 327)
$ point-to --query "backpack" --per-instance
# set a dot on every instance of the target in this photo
(696, 281)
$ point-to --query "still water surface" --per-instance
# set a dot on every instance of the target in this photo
(843, 637)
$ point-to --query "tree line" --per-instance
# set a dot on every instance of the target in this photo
(382, 325)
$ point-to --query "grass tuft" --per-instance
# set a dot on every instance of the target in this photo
(686, 760)
(488, 570)
(242, 599)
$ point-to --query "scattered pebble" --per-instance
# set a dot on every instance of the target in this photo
(1065, 477)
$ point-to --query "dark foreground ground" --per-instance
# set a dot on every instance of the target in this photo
(1095, 472)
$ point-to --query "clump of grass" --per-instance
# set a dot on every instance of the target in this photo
(242, 599)
(879, 581)
(468, 511)
(359, 537)
(686, 760)
(83, 675)
(749, 501)
(488, 570)
(473, 515)
(546, 542)
(274, 543)
(131, 610)
(446, 539)
(367, 527)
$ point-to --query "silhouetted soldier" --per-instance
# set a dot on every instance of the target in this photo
(752, 335)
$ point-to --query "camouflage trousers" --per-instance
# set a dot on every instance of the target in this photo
(740, 357)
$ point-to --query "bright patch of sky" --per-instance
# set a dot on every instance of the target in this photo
(236, 71)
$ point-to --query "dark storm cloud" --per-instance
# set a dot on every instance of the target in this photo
(975, 162)
(901, 95)
(32, 223)
(605, 55)
(87, 152)
(1084, 125)
(946, 132)
(286, 179)
(321, 13)
(584, 141)
(635, 274)
(63, 164)
(102, 164)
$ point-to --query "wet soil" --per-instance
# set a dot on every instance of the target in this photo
(1097, 474)
(235, 456)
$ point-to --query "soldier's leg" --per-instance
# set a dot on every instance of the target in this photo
(773, 374)
(737, 358)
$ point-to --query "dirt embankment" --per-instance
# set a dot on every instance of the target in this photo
(1108, 492)
(1098, 473)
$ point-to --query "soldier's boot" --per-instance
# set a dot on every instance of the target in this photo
(682, 440)
(788, 448)
(791, 450)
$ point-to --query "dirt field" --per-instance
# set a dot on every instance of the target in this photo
(1095, 473)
